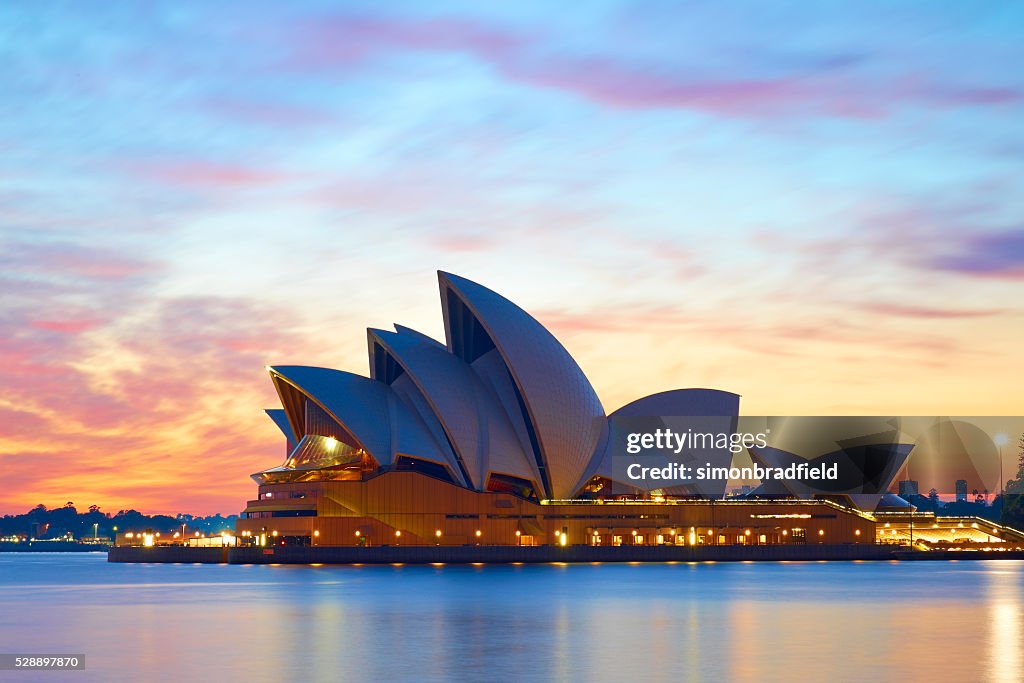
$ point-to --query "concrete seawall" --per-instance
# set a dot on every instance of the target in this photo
(508, 554)
(169, 554)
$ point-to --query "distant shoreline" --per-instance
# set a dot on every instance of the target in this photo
(52, 547)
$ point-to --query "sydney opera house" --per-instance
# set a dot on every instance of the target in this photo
(496, 437)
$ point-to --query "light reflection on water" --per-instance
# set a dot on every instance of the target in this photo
(927, 621)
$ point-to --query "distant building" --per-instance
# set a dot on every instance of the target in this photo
(908, 487)
(961, 490)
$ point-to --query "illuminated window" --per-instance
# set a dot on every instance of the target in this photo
(762, 538)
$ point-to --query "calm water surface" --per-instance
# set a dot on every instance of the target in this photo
(912, 621)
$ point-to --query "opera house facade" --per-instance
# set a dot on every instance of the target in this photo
(496, 437)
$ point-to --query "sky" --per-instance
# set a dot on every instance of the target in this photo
(817, 206)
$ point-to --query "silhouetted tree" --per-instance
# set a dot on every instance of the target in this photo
(1012, 511)
(1020, 461)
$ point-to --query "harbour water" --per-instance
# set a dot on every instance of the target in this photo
(879, 621)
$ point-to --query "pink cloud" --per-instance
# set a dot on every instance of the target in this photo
(463, 242)
(342, 43)
(616, 84)
(915, 238)
(904, 311)
(991, 255)
(202, 173)
(619, 83)
(972, 96)
(21, 423)
(64, 259)
(65, 326)
(278, 114)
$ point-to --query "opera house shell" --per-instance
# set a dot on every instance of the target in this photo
(500, 406)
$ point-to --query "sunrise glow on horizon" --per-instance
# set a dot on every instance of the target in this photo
(829, 224)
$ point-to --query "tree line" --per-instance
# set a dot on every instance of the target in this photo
(60, 522)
